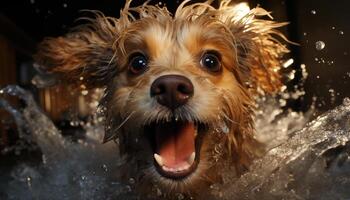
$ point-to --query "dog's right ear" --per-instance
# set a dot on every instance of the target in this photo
(260, 46)
(87, 54)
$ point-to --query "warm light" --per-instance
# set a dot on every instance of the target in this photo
(241, 10)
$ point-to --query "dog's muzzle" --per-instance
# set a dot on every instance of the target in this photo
(172, 91)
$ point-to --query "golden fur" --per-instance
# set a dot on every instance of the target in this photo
(251, 59)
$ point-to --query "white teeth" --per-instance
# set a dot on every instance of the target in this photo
(169, 169)
(159, 159)
(185, 166)
(191, 158)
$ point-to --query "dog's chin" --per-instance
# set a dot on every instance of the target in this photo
(176, 147)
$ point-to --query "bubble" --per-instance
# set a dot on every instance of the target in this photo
(313, 12)
(320, 45)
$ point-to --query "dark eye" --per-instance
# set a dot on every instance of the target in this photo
(211, 61)
(138, 64)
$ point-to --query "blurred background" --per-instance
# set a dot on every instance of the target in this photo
(321, 27)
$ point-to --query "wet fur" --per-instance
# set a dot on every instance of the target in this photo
(96, 55)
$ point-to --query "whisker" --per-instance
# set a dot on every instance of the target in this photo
(125, 120)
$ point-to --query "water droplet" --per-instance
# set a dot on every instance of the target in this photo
(74, 123)
(180, 196)
(225, 128)
(304, 33)
(288, 63)
(313, 12)
(1, 91)
(282, 102)
(320, 45)
(333, 27)
(32, 1)
(291, 75)
(29, 181)
(131, 181)
(64, 5)
(84, 92)
(346, 101)
(341, 32)
(105, 168)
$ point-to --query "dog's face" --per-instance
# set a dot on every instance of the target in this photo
(178, 89)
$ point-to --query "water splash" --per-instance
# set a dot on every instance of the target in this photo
(313, 164)
(314, 158)
(69, 170)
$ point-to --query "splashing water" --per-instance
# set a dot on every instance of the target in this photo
(313, 164)
(82, 170)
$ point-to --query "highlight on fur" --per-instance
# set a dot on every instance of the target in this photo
(251, 53)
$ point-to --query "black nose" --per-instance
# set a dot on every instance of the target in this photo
(172, 91)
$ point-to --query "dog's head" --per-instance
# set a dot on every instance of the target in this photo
(179, 89)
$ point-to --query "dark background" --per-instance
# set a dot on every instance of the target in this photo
(24, 23)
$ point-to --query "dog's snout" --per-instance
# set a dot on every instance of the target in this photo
(172, 91)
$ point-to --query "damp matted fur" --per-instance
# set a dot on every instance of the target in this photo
(96, 54)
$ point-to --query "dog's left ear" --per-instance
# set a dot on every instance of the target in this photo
(260, 53)
(85, 55)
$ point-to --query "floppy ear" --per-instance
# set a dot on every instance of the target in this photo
(86, 54)
(259, 53)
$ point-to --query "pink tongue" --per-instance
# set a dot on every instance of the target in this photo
(175, 143)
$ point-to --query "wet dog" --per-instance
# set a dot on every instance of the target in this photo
(179, 89)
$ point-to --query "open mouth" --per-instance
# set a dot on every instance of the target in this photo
(176, 147)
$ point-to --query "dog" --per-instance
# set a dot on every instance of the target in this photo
(179, 89)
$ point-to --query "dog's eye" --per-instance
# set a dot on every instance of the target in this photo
(138, 64)
(211, 62)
